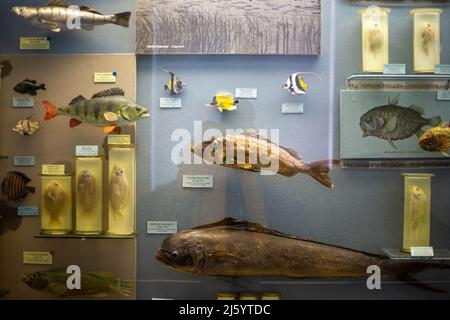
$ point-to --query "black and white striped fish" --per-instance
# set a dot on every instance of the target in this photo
(296, 84)
(175, 84)
(14, 186)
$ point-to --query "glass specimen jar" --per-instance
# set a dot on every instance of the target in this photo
(121, 191)
(270, 296)
(427, 43)
(375, 38)
(416, 226)
(226, 296)
(89, 191)
(56, 204)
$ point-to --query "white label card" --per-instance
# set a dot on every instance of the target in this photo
(162, 227)
(86, 151)
(198, 181)
(170, 103)
(422, 252)
(25, 161)
(289, 108)
(23, 102)
(442, 69)
(394, 68)
(443, 95)
(246, 93)
(27, 211)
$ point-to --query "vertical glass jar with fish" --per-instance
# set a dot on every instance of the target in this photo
(416, 226)
(56, 204)
(121, 192)
(89, 191)
(375, 38)
(427, 43)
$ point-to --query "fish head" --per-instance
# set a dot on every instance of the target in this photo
(118, 172)
(182, 252)
(132, 112)
(36, 280)
(370, 123)
(19, 128)
(85, 177)
(25, 12)
(429, 143)
(208, 148)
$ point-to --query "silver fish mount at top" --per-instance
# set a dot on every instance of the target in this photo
(59, 15)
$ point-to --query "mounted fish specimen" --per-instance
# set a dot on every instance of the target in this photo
(223, 101)
(427, 38)
(55, 199)
(392, 122)
(26, 127)
(376, 39)
(119, 192)
(14, 186)
(109, 109)
(29, 87)
(175, 84)
(253, 146)
(6, 68)
(9, 220)
(233, 248)
(56, 15)
(96, 284)
(87, 191)
(296, 85)
(436, 140)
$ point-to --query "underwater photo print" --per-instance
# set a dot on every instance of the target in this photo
(389, 124)
(284, 27)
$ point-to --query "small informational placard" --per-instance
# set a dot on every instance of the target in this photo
(37, 257)
(23, 102)
(162, 227)
(443, 95)
(34, 43)
(246, 93)
(27, 161)
(198, 181)
(170, 103)
(122, 139)
(442, 69)
(53, 169)
(105, 77)
(27, 211)
(422, 252)
(398, 68)
(86, 151)
(292, 108)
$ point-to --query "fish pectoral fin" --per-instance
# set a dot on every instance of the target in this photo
(420, 133)
(392, 144)
(391, 124)
(54, 27)
(74, 123)
(111, 116)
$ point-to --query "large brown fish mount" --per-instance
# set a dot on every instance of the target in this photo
(234, 248)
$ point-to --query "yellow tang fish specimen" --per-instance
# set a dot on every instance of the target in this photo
(119, 192)
(87, 191)
(55, 198)
(436, 140)
(223, 101)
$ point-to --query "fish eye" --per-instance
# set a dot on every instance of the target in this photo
(138, 109)
(175, 254)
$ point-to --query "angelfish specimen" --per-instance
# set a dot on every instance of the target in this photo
(119, 191)
(5, 68)
(261, 154)
(26, 127)
(14, 186)
(175, 85)
(296, 85)
(436, 140)
(109, 109)
(392, 122)
(375, 36)
(93, 283)
(233, 248)
(427, 38)
(57, 13)
(87, 191)
(55, 199)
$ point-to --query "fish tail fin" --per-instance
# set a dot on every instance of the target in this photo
(122, 287)
(51, 111)
(435, 121)
(404, 271)
(42, 87)
(30, 189)
(320, 170)
(122, 19)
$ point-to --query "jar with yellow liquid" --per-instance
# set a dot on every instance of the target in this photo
(416, 226)
(375, 38)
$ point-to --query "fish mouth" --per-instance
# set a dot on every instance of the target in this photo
(144, 115)
(162, 257)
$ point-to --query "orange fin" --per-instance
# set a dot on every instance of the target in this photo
(74, 123)
(51, 111)
(110, 129)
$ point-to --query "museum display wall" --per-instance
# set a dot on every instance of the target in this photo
(364, 211)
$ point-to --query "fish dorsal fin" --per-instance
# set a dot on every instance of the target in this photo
(58, 3)
(394, 101)
(77, 99)
(109, 93)
(22, 175)
(224, 94)
(293, 153)
(244, 226)
(417, 109)
(254, 134)
(87, 9)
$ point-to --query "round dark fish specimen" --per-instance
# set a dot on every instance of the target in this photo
(6, 68)
(28, 87)
(392, 122)
(14, 186)
(9, 220)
